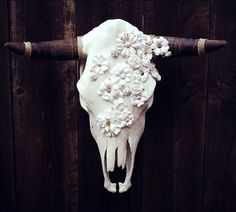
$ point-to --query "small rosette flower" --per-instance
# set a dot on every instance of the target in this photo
(122, 112)
(161, 47)
(136, 87)
(109, 90)
(139, 100)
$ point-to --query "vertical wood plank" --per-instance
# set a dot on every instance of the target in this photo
(7, 163)
(174, 136)
(63, 100)
(92, 195)
(192, 120)
(26, 113)
(44, 110)
(159, 134)
(219, 186)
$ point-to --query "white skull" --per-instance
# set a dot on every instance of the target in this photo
(116, 88)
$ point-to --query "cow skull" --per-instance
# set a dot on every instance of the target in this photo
(117, 83)
(116, 89)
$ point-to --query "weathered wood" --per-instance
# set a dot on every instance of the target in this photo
(93, 197)
(45, 105)
(26, 83)
(219, 177)
(64, 101)
(193, 113)
(174, 147)
(190, 143)
(7, 163)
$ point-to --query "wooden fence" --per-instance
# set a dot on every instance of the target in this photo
(186, 160)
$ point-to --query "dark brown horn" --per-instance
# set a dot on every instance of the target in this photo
(57, 49)
(183, 47)
(68, 49)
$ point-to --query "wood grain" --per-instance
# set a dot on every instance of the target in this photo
(185, 161)
(219, 186)
(45, 104)
(64, 105)
(7, 162)
(174, 147)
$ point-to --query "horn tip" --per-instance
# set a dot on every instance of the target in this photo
(6, 45)
(16, 47)
(213, 45)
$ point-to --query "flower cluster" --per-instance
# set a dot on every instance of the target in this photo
(127, 78)
(130, 43)
(115, 119)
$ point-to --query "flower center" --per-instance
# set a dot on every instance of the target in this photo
(108, 90)
(108, 123)
(127, 44)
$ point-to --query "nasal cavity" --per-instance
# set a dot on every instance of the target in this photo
(118, 175)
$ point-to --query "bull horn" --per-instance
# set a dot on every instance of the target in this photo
(56, 49)
(183, 47)
(72, 49)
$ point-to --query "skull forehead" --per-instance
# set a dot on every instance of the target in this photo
(102, 37)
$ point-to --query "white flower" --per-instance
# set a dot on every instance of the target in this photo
(124, 88)
(127, 43)
(135, 62)
(123, 73)
(161, 47)
(121, 70)
(109, 89)
(139, 100)
(115, 119)
(122, 113)
(99, 66)
(125, 118)
(108, 124)
(93, 76)
(145, 61)
(119, 104)
(141, 37)
(136, 87)
(148, 52)
(140, 67)
(114, 53)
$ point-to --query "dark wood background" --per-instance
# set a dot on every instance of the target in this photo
(186, 160)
